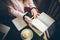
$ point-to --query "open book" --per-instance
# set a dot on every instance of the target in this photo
(39, 25)
(42, 23)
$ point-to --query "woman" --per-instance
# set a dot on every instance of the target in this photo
(16, 7)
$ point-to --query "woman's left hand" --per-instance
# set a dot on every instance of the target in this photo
(34, 13)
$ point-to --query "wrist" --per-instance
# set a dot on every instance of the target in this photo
(33, 8)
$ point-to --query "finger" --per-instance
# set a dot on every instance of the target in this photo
(28, 19)
(35, 16)
(38, 14)
(32, 18)
(32, 13)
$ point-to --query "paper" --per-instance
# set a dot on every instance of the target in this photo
(39, 25)
(19, 23)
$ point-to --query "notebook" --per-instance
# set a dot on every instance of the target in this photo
(19, 23)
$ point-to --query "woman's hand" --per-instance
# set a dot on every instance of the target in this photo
(34, 13)
(28, 19)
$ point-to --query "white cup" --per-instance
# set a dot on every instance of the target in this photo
(27, 34)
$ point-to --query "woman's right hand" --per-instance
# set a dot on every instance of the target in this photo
(28, 19)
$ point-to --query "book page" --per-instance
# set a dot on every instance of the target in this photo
(46, 19)
(39, 25)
